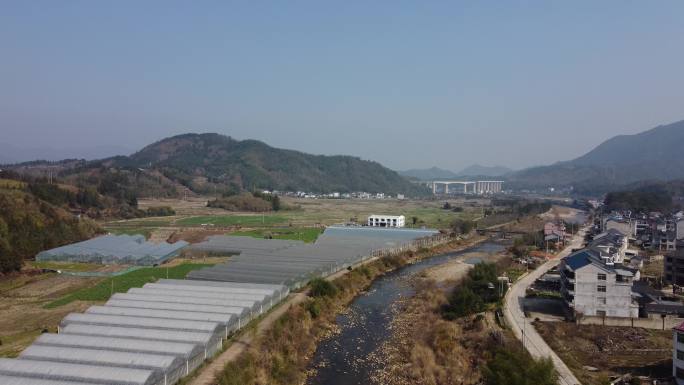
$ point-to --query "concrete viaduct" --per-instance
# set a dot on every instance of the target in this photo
(470, 187)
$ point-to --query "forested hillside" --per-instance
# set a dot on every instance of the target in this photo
(29, 224)
(647, 197)
(212, 162)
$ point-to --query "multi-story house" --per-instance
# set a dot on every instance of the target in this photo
(593, 284)
(678, 354)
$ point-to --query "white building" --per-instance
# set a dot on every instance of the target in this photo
(678, 354)
(386, 221)
(593, 285)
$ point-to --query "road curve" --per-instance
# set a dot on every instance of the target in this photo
(523, 330)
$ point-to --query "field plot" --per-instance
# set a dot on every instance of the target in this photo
(305, 234)
(120, 284)
(299, 222)
(594, 353)
(21, 305)
(232, 220)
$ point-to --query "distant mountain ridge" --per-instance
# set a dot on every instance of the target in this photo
(208, 162)
(656, 154)
(474, 170)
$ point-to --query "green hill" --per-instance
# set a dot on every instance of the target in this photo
(211, 162)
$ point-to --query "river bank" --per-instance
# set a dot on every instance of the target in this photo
(357, 353)
(280, 355)
(424, 348)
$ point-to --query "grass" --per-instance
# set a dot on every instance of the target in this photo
(232, 220)
(146, 231)
(121, 284)
(67, 266)
(11, 184)
(306, 234)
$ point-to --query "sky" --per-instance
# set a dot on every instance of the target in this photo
(409, 84)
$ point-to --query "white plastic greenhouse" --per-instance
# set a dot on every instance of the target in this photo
(48, 370)
(172, 368)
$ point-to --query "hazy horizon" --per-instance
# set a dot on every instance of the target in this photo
(407, 85)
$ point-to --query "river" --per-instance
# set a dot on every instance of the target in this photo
(347, 357)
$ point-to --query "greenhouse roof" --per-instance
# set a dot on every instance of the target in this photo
(115, 249)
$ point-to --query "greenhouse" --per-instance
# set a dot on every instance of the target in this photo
(252, 305)
(113, 250)
(263, 300)
(48, 370)
(192, 354)
(269, 296)
(211, 343)
(243, 313)
(228, 321)
(11, 380)
(280, 291)
(170, 367)
(142, 322)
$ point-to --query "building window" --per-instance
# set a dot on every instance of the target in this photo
(680, 338)
(601, 300)
(680, 355)
(601, 288)
(680, 373)
(601, 277)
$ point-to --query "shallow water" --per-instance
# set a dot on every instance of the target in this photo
(345, 358)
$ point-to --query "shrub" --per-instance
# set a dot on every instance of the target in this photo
(511, 366)
(322, 288)
(314, 308)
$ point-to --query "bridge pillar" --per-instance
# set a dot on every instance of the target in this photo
(446, 188)
(434, 188)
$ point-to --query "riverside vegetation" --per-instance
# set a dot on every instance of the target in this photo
(281, 355)
(451, 336)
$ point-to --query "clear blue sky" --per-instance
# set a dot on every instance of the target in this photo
(409, 84)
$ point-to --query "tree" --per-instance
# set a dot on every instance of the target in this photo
(275, 203)
(447, 206)
(514, 366)
(414, 220)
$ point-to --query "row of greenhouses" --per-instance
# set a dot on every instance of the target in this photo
(114, 250)
(161, 332)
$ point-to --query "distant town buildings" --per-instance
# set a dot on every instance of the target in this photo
(386, 221)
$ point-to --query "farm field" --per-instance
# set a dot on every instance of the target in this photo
(305, 234)
(301, 220)
(33, 303)
(610, 350)
(120, 284)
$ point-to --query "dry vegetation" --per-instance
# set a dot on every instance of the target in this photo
(427, 349)
(611, 350)
(21, 304)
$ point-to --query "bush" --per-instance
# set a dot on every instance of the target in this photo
(160, 211)
(517, 367)
(314, 308)
(322, 288)
(480, 288)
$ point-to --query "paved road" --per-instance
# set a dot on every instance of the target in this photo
(521, 326)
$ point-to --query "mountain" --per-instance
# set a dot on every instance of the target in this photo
(210, 162)
(478, 170)
(428, 173)
(655, 154)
